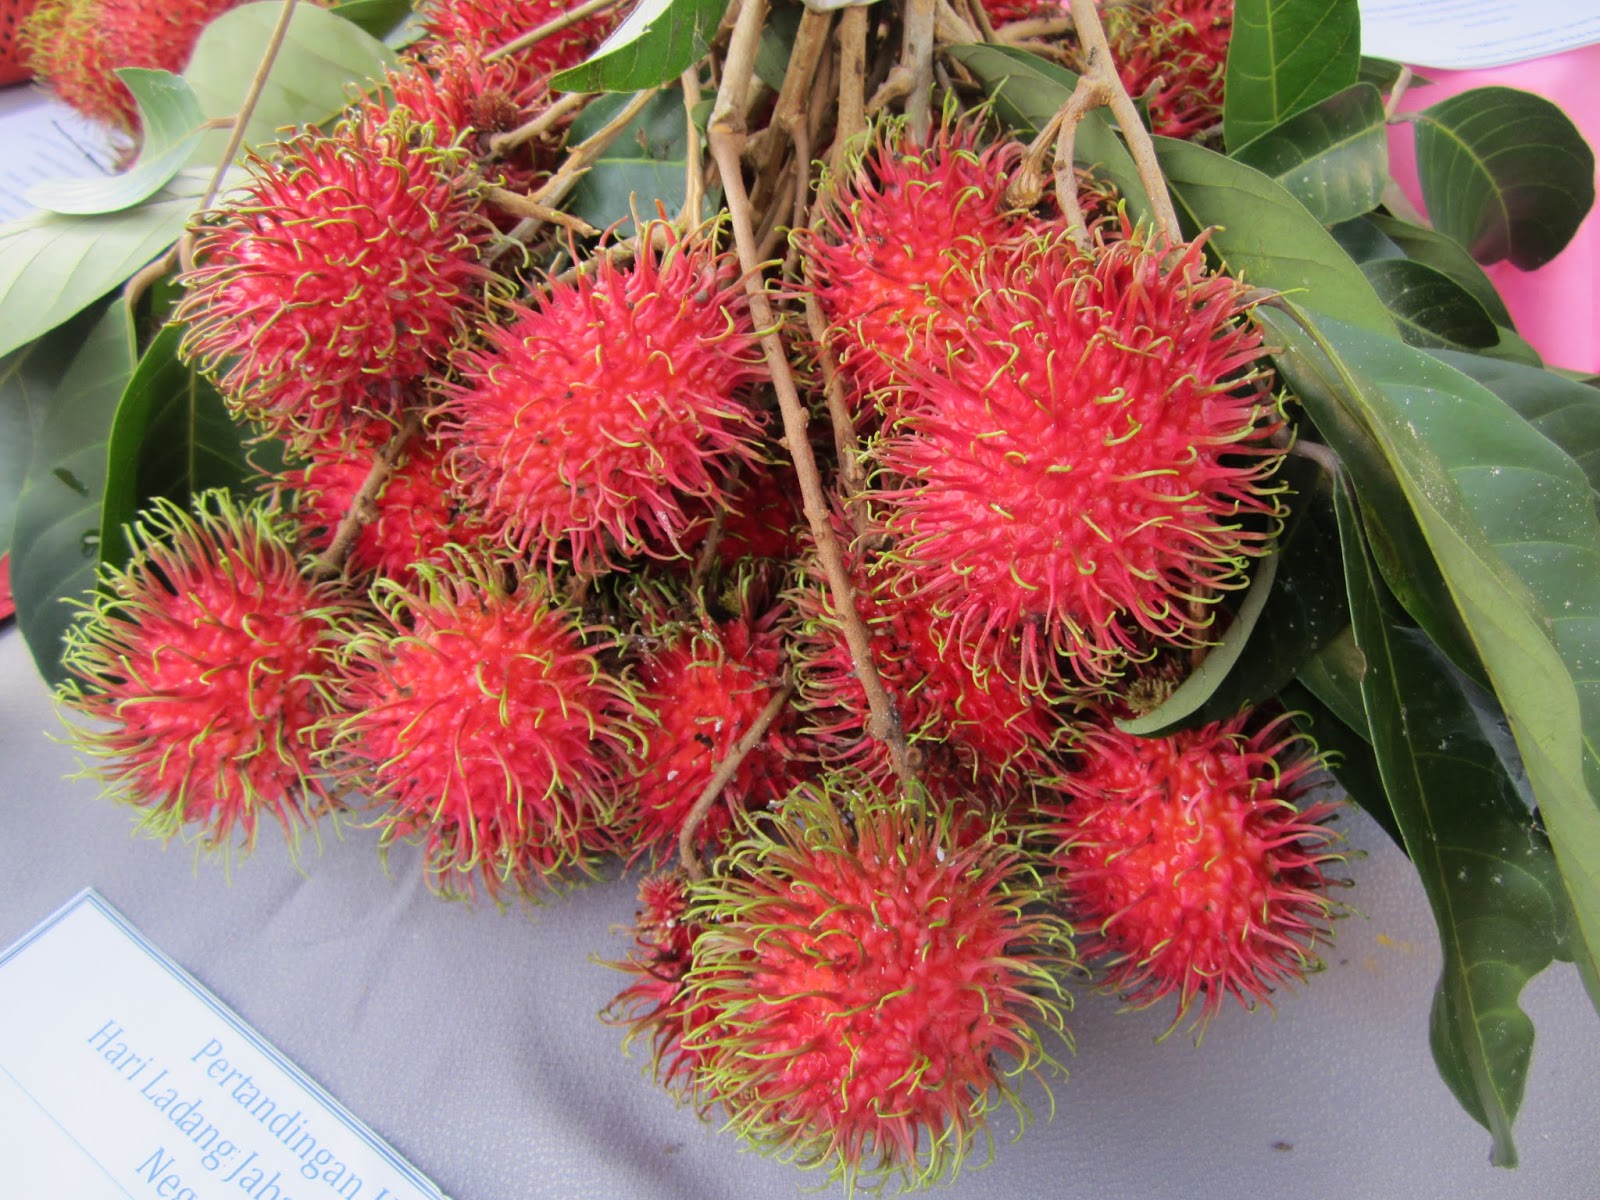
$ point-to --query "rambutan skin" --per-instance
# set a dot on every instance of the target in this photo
(1077, 481)
(484, 26)
(338, 279)
(1188, 865)
(866, 982)
(890, 256)
(1174, 55)
(590, 421)
(203, 665)
(482, 719)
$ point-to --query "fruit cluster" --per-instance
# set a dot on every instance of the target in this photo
(541, 583)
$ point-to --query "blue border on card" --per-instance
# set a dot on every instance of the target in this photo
(339, 1112)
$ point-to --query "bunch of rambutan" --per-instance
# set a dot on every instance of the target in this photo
(540, 583)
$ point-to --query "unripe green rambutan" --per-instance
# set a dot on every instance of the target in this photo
(203, 665)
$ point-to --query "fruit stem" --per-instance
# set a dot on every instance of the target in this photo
(363, 509)
(852, 82)
(694, 171)
(554, 25)
(1092, 36)
(545, 121)
(727, 137)
(247, 106)
(725, 771)
(527, 207)
(916, 56)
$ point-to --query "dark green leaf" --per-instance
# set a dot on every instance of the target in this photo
(171, 437)
(1332, 157)
(1266, 237)
(1488, 872)
(1383, 74)
(1028, 91)
(1363, 241)
(1284, 56)
(1513, 348)
(657, 43)
(1512, 525)
(1432, 248)
(56, 547)
(777, 41)
(1350, 758)
(52, 266)
(646, 164)
(1505, 173)
(1333, 676)
(1431, 309)
(1290, 610)
(1565, 411)
(321, 57)
(170, 118)
(379, 18)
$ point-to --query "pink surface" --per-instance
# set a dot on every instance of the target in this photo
(1557, 308)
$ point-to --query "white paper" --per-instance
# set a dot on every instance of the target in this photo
(1464, 34)
(122, 1078)
(41, 139)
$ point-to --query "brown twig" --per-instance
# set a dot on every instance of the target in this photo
(727, 135)
(538, 126)
(519, 205)
(916, 57)
(725, 771)
(694, 171)
(1088, 95)
(1033, 27)
(852, 82)
(962, 24)
(363, 509)
(552, 26)
(845, 443)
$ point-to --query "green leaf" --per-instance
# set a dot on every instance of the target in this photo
(1027, 91)
(1266, 237)
(777, 43)
(321, 57)
(1488, 872)
(1333, 676)
(1384, 73)
(170, 118)
(1505, 173)
(1512, 524)
(1513, 348)
(1431, 308)
(657, 43)
(53, 266)
(1363, 242)
(1284, 56)
(1332, 157)
(1350, 759)
(1565, 411)
(1433, 249)
(171, 437)
(56, 546)
(1289, 611)
(380, 18)
(646, 163)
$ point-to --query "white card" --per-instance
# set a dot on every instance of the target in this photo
(1458, 34)
(122, 1078)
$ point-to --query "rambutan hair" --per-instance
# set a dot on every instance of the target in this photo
(202, 666)
(1092, 467)
(590, 422)
(481, 717)
(1189, 863)
(338, 278)
(867, 983)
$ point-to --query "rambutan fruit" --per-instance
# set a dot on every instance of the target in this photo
(414, 515)
(14, 67)
(202, 665)
(706, 683)
(75, 46)
(592, 420)
(1188, 867)
(1174, 54)
(482, 718)
(1092, 466)
(867, 984)
(339, 279)
(975, 733)
(484, 26)
(890, 257)
(758, 515)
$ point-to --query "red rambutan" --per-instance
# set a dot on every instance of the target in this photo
(75, 46)
(1187, 865)
(340, 278)
(1174, 54)
(890, 258)
(1074, 483)
(483, 26)
(414, 515)
(483, 719)
(203, 664)
(592, 418)
(707, 684)
(865, 982)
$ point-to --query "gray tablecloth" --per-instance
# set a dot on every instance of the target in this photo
(468, 1037)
